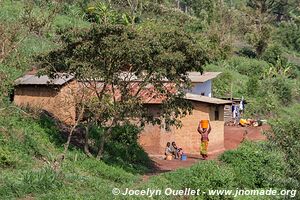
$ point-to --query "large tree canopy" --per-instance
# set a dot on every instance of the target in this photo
(116, 55)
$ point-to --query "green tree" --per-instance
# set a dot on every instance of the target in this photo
(278, 9)
(10, 37)
(288, 33)
(274, 53)
(257, 28)
(204, 9)
(116, 55)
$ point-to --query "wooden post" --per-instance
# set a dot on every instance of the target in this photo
(231, 91)
(231, 88)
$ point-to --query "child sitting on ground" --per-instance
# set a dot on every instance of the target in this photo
(168, 150)
(177, 152)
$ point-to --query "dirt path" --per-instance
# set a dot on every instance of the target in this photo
(233, 137)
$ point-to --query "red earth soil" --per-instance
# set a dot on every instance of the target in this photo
(233, 136)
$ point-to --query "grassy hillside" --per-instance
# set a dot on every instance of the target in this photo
(28, 147)
(262, 66)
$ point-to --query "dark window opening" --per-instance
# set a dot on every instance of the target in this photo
(217, 117)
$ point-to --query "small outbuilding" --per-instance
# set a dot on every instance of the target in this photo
(154, 138)
(53, 95)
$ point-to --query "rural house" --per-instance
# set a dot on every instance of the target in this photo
(57, 97)
(154, 138)
(53, 95)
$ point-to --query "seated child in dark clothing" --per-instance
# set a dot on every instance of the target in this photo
(177, 152)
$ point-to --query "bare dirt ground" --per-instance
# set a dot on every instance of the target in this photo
(233, 137)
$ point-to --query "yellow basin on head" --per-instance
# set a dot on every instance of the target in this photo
(204, 123)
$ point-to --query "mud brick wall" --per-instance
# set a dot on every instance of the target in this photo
(154, 138)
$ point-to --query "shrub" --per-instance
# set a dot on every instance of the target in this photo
(288, 34)
(268, 95)
(7, 75)
(262, 105)
(252, 86)
(273, 53)
(247, 52)
(286, 135)
(123, 149)
(229, 77)
(205, 175)
(247, 66)
(283, 89)
(256, 165)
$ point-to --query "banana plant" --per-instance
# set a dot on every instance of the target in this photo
(102, 13)
(278, 69)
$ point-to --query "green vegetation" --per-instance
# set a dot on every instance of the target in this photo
(266, 86)
(28, 145)
(285, 135)
(254, 43)
(253, 165)
(27, 151)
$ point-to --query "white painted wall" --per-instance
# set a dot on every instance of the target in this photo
(202, 88)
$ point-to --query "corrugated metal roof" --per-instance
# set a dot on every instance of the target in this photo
(148, 95)
(62, 78)
(30, 79)
(237, 100)
(196, 77)
(205, 99)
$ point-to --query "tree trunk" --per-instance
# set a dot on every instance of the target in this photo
(71, 132)
(106, 134)
(101, 148)
(69, 139)
(86, 141)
